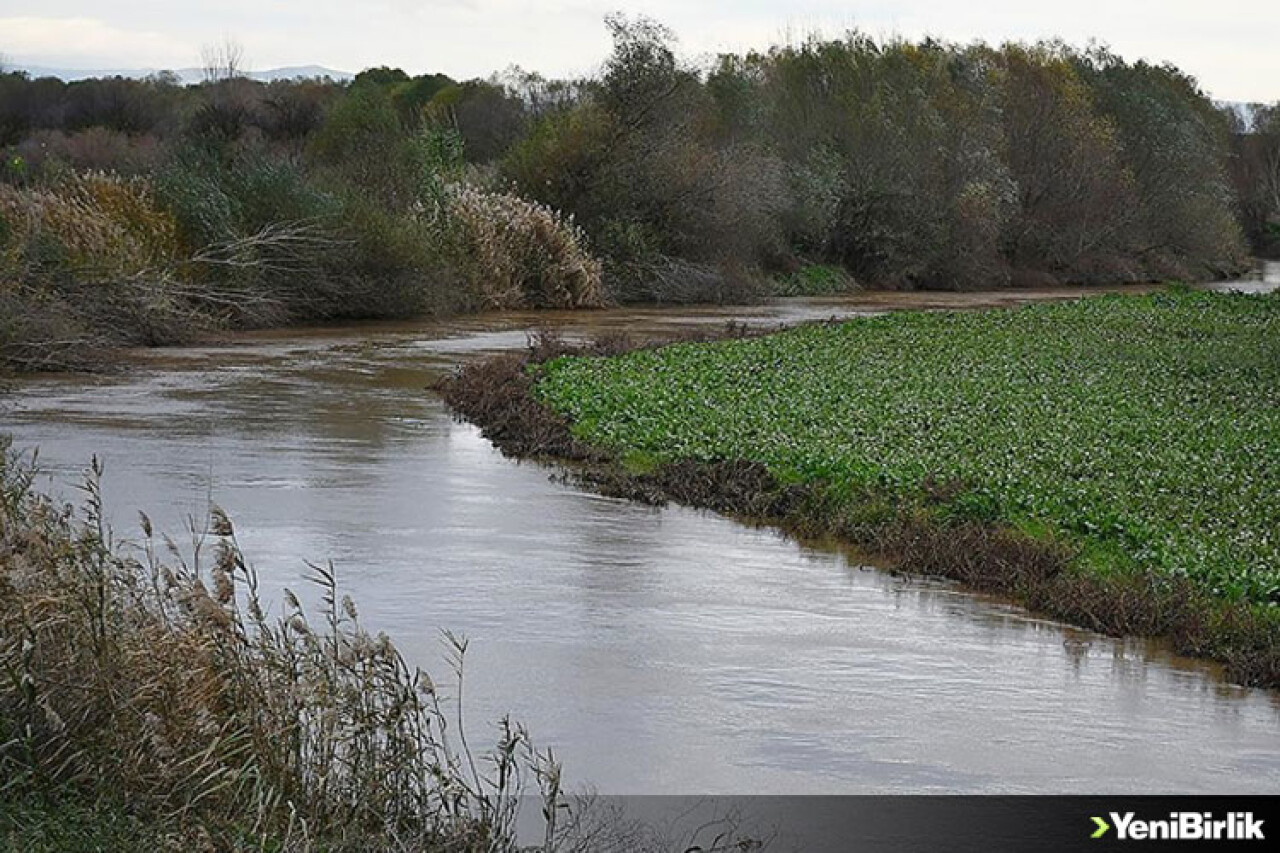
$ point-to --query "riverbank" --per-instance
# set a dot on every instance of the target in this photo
(1103, 462)
(237, 204)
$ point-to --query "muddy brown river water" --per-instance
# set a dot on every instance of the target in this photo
(656, 650)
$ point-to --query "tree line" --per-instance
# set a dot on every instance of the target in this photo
(138, 210)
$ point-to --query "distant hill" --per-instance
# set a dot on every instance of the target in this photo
(186, 75)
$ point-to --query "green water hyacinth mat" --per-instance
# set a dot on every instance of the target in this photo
(1144, 431)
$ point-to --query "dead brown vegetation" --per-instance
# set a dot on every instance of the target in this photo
(152, 678)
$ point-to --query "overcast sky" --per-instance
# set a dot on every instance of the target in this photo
(1232, 46)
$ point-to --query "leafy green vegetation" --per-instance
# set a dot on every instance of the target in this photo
(1142, 431)
(814, 280)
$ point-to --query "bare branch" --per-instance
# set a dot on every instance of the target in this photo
(222, 60)
(278, 247)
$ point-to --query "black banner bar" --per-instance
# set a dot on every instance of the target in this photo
(871, 824)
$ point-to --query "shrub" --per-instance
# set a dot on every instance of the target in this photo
(558, 160)
(363, 143)
(90, 224)
(521, 254)
(95, 149)
(670, 280)
(190, 189)
(391, 265)
(259, 239)
(815, 280)
(815, 186)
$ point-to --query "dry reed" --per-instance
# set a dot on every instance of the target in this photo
(140, 673)
(523, 254)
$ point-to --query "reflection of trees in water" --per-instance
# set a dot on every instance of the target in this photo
(360, 407)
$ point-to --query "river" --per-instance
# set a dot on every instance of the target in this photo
(656, 650)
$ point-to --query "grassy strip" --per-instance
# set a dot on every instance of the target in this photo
(46, 825)
(1109, 462)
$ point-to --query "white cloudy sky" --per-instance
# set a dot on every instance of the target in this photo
(1232, 46)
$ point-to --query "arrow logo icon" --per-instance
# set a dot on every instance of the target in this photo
(1103, 826)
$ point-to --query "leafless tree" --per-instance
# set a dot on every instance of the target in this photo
(223, 60)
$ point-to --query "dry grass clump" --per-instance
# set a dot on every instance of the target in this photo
(91, 223)
(85, 264)
(523, 254)
(160, 682)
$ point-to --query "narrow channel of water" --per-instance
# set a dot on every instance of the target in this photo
(658, 651)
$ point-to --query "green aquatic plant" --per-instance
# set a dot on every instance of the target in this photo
(1144, 431)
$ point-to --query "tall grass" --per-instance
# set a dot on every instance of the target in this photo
(523, 254)
(138, 676)
(87, 263)
(91, 224)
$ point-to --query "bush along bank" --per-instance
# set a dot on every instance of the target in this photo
(224, 239)
(1107, 462)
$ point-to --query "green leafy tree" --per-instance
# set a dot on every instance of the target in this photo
(1174, 142)
(1076, 201)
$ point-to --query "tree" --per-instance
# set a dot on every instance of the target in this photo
(641, 73)
(222, 60)
(1255, 173)
(382, 75)
(1267, 129)
(487, 117)
(1076, 205)
(1173, 144)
